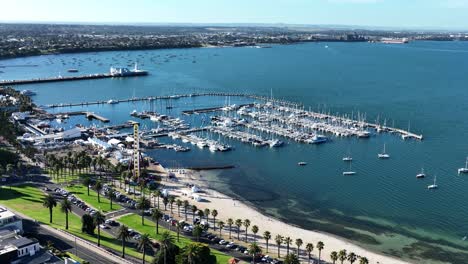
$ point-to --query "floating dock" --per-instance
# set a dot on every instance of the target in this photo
(89, 115)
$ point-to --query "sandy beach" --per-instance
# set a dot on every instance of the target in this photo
(232, 208)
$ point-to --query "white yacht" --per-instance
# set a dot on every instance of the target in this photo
(275, 143)
(154, 118)
(434, 185)
(302, 163)
(384, 154)
(421, 174)
(349, 171)
(213, 148)
(465, 169)
(112, 102)
(347, 158)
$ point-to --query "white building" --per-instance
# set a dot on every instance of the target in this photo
(10, 220)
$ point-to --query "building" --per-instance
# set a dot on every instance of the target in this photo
(16, 249)
(9, 220)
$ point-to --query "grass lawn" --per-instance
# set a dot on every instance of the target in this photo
(82, 193)
(27, 199)
(66, 176)
(133, 221)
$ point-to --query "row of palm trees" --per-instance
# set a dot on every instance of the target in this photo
(246, 223)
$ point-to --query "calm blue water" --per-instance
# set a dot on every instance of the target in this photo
(384, 207)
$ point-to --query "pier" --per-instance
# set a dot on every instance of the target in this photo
(63, 79)
(212, 109)
(89, 115)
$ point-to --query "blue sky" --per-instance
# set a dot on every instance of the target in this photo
(388, 13)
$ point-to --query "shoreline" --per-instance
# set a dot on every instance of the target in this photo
(213, 199)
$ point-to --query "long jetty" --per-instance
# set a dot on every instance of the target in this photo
(173, 97)
(63, 78)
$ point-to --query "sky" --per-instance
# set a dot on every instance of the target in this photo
(448, 14)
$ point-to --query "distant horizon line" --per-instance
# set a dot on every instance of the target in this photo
(244, 24)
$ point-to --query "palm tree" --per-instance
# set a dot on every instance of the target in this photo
(192, 252)
(165, 202)
(214, 213)
(179, 204)
(171, 202)
(49, 202)
(279, 241)
(200, 215)
(255, 231)
(143, 244)
(298, 244)
(238, 224)
(98, 187)
(143, 204)
(65, 207)
(254, 250)
(207, 214)
(157, 214)
(320, 246)
(334, 256)
(309, 248)
(157, 193)
(196, 232)
(230, 222)
(123, 234)
(287, 241)
(342, 255)
(194, 209)
(98, 220)
(352, 257)
(267, 237)
(87, 182)
(179, 225)
(363, 260)
(246, 224)
(221, 226)
(291, 259)
(166, 241)
(111, 195)
(186, 205)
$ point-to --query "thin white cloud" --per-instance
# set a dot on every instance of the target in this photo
(355, 1)
(455, 3)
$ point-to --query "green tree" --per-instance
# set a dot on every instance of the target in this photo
(267, 237)
(214, 213)
(142, 205)
(238, 224)
(194, 209)
(157, 215)
(157, 194)
(221, 226)
(165, 202)
(287, 241)
(254, 250)
(143, 245)
(342, 255)
(334, 256)
(255, 231)
(291, 259)
(298, 244)
(279, 241)
(49, 202)
(352, 257)
(196, 232)
(111, 195)
(320, 247)
(186, 205)
(65, 207)
(309, 248)
(207, 212)
(246, 224)
(98, 186)
(87, 224)
(363, 260)
(167, 241)
(179, 226)
(230, 222)
(179, 204)
(99, 219)
(123, 234)
(171, 202)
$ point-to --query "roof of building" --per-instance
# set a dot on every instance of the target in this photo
(41, 257)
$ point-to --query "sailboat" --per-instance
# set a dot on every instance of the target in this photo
(433, 186)
(421, 174)
(384, 154)
(349, 171)
(348, 158)
(464, 170)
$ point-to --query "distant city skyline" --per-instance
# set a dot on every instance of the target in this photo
(429, 14)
